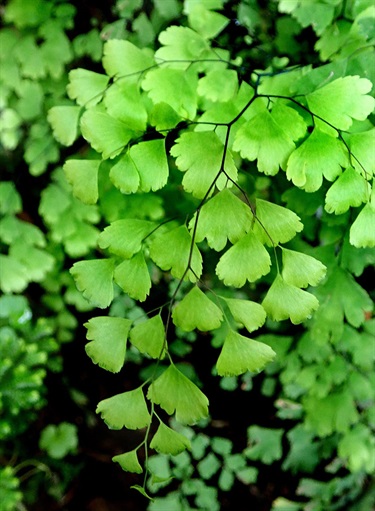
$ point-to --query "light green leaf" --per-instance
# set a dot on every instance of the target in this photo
(196, 310)
(149, 337)
(300, 269)
(202, 165)
(362, 147)
(223, 217)
(94, 279)
(319, 155)
(207, 23)
(64, 122)
(284, 301)
(106, 134)
(246, 260)
(170, 251)
(123, 59)
(358, 447)
(168, 441)
(124, 174)
(275, 222)
(108, 336)
(280, 127)
(349, 190)
(218, 85)
(126, 410)
(83, 176)
(175, 87)
(362, 231)
(250, 314)
(123, 101)
(124, 237)
(240, 354)
(163, 117)
(174, 392)
(86, 87)
(128, 461)
(13, 275)
(180, 44)
(59, 440)
(150, 160)
(10, 200)
(341, 101)
(133, 277)
(208, 466)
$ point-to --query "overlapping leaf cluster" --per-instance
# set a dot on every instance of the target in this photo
(306, 126)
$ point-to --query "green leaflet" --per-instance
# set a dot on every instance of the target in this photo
(174, 392)
(275, 222)
(175, 87)
(319, 155)
(246, 260)
(221, 218)
(168, 441)
(108, 336)
(143, 167)
(124, 237)
(106, 134)
(126, 410)
(149, 337)
(361, 145)
(13, 275)
(83, 176)
(201, 166)
(284, 301)
(362, 231)
(170, 251)
(341, 101)
(218, 85)
(240, 354)
(357, 447)
(64, 122)
(123, 101)
(250, 314)
(94, 279)
(86, 87)
(128, 461)
(265, 444)
(300, 269)
(280, 128)
(349, 190)
(196, 310)
(133, 277)
(180, 44)
(123, 59)
(207, 23)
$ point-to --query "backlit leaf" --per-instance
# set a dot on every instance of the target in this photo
(206, 22)
(196, 310)
(128, 461)
(202, 165)
(133, 277)
(124, 174)
(284, 301)
(150, 160)
(86, 87)
(123, 101)
(246, 260)
(108, 336)
(275, 222)
(223, 217)
(123, 59)
(319, 155)
(300, 269)
(280, 127)
(94, 279)
(149, 337)
(341, 101)
(218, 85)
(362, 231)
(83, 176)
(170, 251)
(250, 314)
(240, 354)
(349, 190)
(64, 122)
(126, 410)
(168, 441)
(180, 44)
(106, 134)
(124, 237)
(174, 392)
